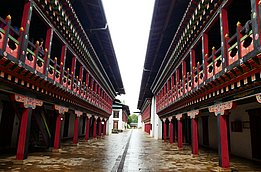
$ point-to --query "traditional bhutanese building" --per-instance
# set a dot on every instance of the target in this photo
(119, 119)
(202, 75)
(58, 71)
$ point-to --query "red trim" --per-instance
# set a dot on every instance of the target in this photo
(57, 132)
(76, 126)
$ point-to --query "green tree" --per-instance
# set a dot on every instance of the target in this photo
(134, 118)
(129, 119)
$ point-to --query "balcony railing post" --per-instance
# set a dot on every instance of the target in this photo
(256, 22)
(7, 30)
(205, 55)
(224, 37)
(26, 20)
(48, 40)
(63, 57)
(54, 68)
(36, 54)
(239, 36)
(21, 51)
(198, 75)
(214, 60)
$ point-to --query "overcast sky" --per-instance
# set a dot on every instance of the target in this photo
(129, 23)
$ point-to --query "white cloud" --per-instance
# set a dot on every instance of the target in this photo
(129, 23)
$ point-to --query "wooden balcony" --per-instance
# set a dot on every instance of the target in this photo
(28, 67)
(235, 67)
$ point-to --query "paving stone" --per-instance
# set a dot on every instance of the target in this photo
(143, 154)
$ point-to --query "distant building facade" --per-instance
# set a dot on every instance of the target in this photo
(119, 117)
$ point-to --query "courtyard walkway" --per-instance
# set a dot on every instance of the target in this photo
(132, 151)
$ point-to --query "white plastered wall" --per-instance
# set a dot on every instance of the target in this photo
(240, 142)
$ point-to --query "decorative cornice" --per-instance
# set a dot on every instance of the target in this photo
(192, 114)
(28, 101)
(221, 107)
(61, 109)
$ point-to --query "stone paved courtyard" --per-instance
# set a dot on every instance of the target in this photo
(132, 150)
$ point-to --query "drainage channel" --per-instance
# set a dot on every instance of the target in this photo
(119, 164)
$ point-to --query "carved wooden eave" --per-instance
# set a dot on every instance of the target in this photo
(188, 30)
(232, 85)
(70, 27)
(146, 103)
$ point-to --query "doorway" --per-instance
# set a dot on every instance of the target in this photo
(255, 128)
(115, 125)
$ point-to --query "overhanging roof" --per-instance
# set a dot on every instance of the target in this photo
(118, 105)
(165, 21)
(92, 17)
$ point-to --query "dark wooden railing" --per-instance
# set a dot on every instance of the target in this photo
(11, 40)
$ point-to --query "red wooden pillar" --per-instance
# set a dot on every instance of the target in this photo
(223, 141)
(192, 66)
(57, 137)
(170, 130)
(94, 127)
(194, 136)
(78, 114)
(165, 130)
(23, 141)
(174, 130)
(25, 24)
(57, 132)
(179, 130)
(205, 54)
(48, 43)
(224, 36)
(104, 127)
(76, 128)
(99, 127)
(221, 110)
(194, 123)
(87, 127)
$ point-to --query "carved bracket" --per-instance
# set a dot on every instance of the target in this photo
(220, 108)
(78, 113)
(61, 109)
(164, 119)
(192, 114)
(178, 117)
(258, 98)
(28, 101)
(89, 115)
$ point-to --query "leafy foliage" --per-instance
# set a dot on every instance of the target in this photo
(133, 119)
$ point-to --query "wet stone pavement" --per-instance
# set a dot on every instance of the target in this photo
(131, 151)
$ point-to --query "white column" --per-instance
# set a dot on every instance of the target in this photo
(152, 118)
